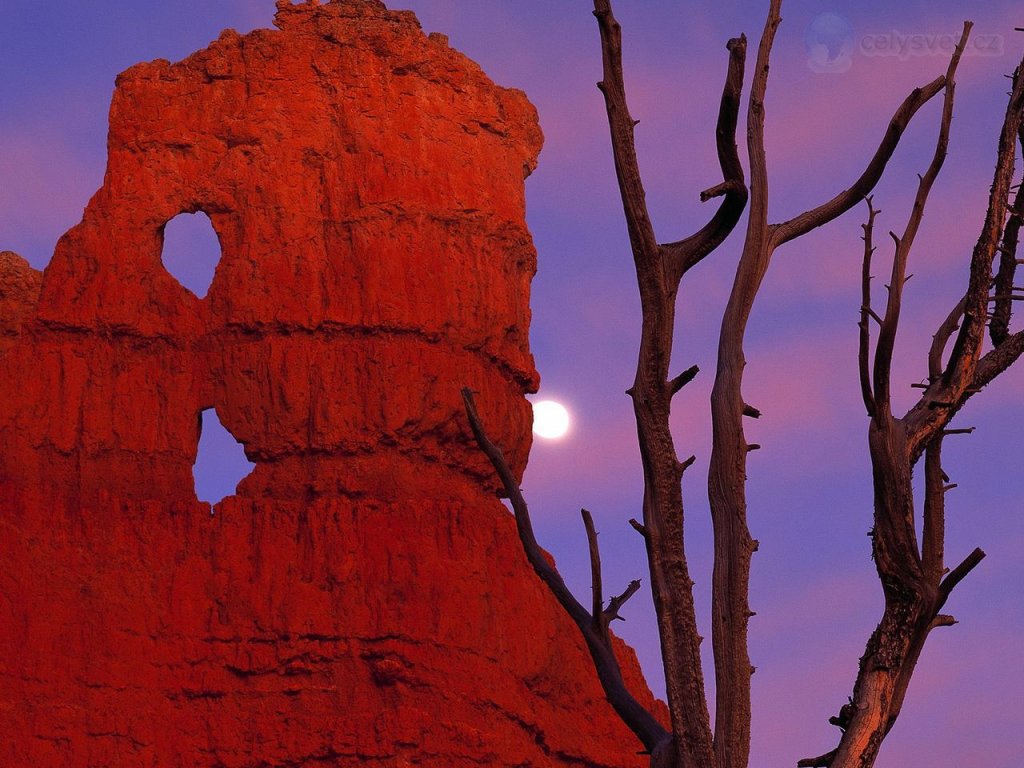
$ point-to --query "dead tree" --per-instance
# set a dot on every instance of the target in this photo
(914, 580)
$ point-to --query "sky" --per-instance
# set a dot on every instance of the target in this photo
(813, 586)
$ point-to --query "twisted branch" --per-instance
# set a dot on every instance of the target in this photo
(593, 626)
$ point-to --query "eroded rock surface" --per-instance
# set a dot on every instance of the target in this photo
(19, 292)
(362, 600)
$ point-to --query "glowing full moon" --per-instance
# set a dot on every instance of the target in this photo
(550, 420)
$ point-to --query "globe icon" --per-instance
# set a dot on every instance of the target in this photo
(829, 43)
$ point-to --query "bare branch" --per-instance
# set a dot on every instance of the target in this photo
(595, 568)
(612, 611)
(1002, 286)
(996, 361)
(967, 371)
(890, 322)
(602, 616)
(722, 188)
(755, 121)
(658, 281)
(967, 347)
(533, 551)
(864, 351)
(934, 535)
(941, 339)
(727, 473)
(621, 124)
(910, 577)
(848, 198)
(821, 761)
(733, 545)
(1001, 297)
(685, 254)
(633, 714)
(683, 379)
(958, 574)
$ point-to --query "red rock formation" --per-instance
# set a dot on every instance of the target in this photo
(19, 292)
(362, 599)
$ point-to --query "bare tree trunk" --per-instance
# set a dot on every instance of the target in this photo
(727, 475)
(659, 270)
(914, 580)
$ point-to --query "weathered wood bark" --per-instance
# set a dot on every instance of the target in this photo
(659, 270)
(734, 545)
(914, 580)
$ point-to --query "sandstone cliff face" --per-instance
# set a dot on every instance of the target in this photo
(362, 599)
(19, 292)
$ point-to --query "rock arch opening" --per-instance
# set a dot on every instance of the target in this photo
(221, 463)
(191, 251)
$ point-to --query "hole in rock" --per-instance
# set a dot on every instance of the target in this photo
(191, 251)
(220, 462)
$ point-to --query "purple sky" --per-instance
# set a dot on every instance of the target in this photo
(814, 586)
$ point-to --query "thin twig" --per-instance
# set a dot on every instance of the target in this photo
(611, 613)
(958, 574)
(683, 379)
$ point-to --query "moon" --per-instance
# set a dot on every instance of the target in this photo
(550, 420)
